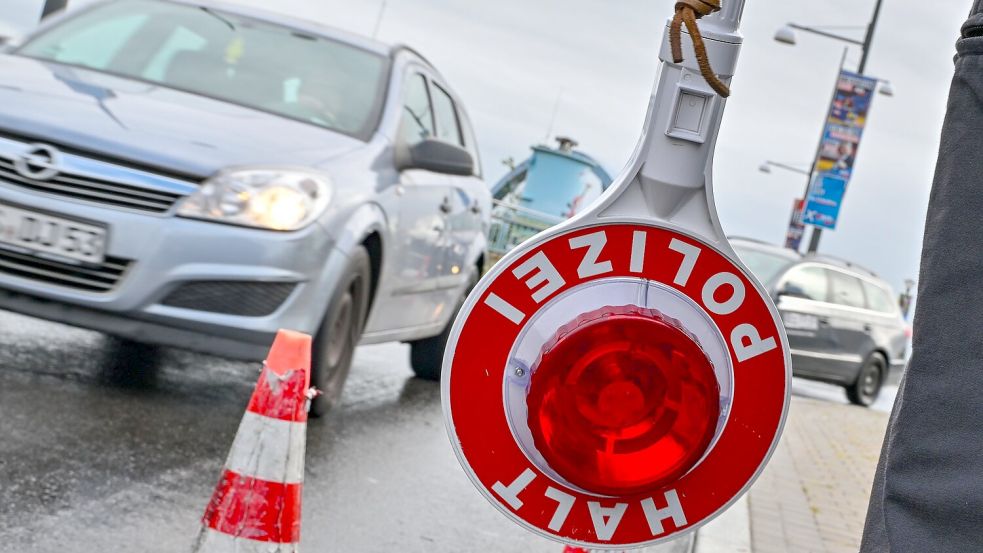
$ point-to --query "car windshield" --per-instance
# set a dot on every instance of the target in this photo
(226, 56)
(764, 265)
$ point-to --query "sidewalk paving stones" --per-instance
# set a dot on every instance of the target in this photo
(812, 497)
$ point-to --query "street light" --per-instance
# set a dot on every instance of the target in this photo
(766, 166)
(905, 299)
(786, 35)
(886, 89)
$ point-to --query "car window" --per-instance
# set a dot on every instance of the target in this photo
(763, 265)
(470, 144)
(181, 39)
(96, 45)
(808, 282)
(847, 290)
(448, 129)
(417, 123)
(254, 63)
(878, 298)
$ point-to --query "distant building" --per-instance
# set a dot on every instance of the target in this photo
(552, 185)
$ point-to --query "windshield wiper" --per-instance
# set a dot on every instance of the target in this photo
(212, 13)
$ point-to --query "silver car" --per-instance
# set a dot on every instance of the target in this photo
(199, 175)
(843, 324)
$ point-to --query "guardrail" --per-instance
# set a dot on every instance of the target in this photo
(511, 225)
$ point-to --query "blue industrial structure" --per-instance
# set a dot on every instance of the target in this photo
(550, 186)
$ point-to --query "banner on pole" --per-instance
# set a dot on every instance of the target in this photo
(793, 237)
(838, 149)
(825, 198)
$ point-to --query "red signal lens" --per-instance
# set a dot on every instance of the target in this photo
(622, 400)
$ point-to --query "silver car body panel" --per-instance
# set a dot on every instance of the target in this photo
(114, 129)
(845, 336)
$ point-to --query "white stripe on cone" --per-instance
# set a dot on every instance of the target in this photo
(210, 540)
(280, 459)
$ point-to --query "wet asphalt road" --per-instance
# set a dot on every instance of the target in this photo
(103, 448)
(108, 448)
(835, 394)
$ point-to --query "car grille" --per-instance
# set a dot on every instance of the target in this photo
(248, 299)
(91, 278)
(92, 190)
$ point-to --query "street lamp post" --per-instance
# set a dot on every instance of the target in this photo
(794, 220)
(786, 35)
(766, 166)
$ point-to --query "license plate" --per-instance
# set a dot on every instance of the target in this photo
(800, 321)
(39, 233)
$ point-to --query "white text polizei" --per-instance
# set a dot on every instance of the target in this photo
(542, 278)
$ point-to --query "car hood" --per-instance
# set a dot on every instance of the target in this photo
(151, 125)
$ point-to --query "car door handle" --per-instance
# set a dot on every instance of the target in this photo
(868, 329)
(445, 206)
(476, 208)
(824, 321)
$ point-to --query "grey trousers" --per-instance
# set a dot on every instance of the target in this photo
(928, 489)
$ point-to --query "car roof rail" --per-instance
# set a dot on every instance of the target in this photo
(749, 239)
(397, 48)
(840, 262)
(770, 245)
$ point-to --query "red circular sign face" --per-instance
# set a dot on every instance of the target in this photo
(536, 498)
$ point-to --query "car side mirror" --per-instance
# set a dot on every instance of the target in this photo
(789, 289)
(8, 42)
(439, 157)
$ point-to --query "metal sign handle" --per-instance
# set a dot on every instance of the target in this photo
(668, 177)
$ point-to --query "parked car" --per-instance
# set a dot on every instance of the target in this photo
(199, 175)
(843, 324)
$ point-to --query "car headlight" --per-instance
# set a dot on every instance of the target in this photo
(275, 199)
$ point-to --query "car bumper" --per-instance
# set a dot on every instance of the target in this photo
(162, 254)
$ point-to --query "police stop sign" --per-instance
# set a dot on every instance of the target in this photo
(620, 379)
(616, 385)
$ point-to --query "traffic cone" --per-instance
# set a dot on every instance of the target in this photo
(256, 504)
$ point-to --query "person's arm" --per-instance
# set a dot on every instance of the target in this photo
(928, 490)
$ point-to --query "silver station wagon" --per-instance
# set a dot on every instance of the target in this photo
(843, 323)
(199, 175)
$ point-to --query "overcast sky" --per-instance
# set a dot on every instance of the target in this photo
(510, 60)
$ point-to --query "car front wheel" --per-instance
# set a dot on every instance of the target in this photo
(867, 387)
(427, 355)
(335, 341)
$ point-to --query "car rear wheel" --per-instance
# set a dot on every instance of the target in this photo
(867, 387)
(427, 355)
(335, 340)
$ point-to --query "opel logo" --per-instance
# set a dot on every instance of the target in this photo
(39, 162)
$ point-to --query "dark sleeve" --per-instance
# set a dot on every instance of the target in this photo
(928, 489)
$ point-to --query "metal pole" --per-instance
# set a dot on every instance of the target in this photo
(817, 232)
(52, 6)
(869, 37)
(787, 167)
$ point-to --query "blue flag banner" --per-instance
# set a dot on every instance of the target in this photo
(825, 198)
